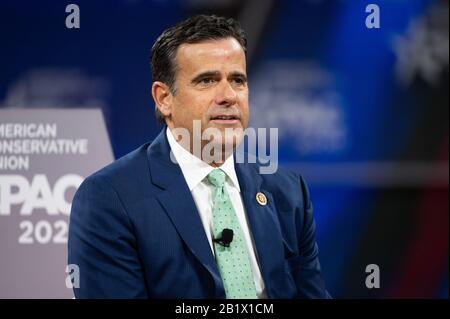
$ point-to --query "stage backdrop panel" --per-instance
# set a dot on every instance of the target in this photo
(44, 156)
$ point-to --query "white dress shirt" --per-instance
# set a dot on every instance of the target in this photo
(195, 172)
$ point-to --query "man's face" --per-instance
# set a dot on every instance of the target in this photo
(211, 86)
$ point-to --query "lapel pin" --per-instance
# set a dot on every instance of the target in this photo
(261, 199)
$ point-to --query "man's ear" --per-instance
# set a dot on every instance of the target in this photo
(162, 97)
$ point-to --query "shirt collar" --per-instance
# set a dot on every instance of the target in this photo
(194, 169)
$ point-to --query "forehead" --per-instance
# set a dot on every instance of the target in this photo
(212, 54)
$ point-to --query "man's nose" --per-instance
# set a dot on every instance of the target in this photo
(226, 95)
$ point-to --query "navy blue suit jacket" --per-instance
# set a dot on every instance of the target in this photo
(135, 232)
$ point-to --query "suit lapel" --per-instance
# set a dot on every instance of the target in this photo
(176, 199)
(264, 226)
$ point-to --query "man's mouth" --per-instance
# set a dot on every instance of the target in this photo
(225, 119)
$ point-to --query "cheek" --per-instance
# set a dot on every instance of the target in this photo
(191, 107)
(244, 104)
(243, 96)
(198, 105)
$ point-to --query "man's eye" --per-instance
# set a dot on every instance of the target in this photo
(206, 81)
(239, 81)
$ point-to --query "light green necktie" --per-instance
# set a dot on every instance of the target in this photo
(233, 261)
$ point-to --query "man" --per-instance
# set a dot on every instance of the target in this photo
(167, 221)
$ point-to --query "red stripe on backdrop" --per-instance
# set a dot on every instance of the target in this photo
(426, 258)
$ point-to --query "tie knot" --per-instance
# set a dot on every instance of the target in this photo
(217, 177)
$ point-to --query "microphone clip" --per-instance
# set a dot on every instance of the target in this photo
(226, 238)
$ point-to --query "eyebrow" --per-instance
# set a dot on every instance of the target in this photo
(209, 74)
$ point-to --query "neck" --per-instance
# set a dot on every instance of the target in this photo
(215, 154)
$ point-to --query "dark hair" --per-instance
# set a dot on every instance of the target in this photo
(192, 30)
